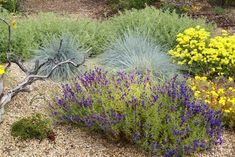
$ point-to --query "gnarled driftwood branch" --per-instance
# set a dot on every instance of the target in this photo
(31, 75)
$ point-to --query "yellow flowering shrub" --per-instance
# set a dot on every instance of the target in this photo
(203, 54)
(219, 94)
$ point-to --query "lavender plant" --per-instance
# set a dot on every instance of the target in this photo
(161, 117)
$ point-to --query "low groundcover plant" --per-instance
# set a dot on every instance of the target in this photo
(160, 116)
(34, 127)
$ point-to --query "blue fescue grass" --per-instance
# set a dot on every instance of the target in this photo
(135, 51)
(61, 49)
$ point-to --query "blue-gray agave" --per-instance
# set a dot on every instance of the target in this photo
(61, 49)
(134, 51)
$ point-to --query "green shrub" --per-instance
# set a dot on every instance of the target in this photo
(221, 2)
(134, 51)
(128, 4)
(229, 119)
(161, 26)
(219, 11)
(31, 127)
(61, 49)
(10, 5)
(167, 6)
(161, 117)
(31, 33)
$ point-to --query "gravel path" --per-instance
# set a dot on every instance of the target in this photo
(70, 141)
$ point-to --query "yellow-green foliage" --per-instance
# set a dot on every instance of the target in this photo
(31, 127)
(160, 116)
(203, 54)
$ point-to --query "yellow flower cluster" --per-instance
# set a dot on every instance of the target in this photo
(215, 56)
(220, 94)
(2, 71)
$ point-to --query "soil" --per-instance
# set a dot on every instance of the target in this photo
(84, 8)
(100, 9)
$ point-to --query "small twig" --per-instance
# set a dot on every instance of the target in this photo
(37, 97)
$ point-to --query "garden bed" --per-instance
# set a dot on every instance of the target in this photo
(143, 83)
(72, 141)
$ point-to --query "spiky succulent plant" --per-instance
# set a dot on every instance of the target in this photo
(135, 51)
(58, 50)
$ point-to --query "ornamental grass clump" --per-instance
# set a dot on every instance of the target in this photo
(58, 50)
(135, 51)
(205, 55)
(161, 117)
(219, 93)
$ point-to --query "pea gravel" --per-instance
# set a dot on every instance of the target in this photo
(70, 141)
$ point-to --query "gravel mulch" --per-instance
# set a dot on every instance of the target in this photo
(70, 141)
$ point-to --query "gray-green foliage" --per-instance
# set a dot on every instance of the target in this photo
(61, 49)
(134, 51)
(161, 26)
(31, 32)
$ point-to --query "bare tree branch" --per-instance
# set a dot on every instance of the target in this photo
(20, 65)
(69, 61)
(38, 66)
(31, 76)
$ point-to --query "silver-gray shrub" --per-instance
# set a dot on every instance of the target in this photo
(61, 49)
(135, 51)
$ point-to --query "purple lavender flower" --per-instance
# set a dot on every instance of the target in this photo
(159, 116)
